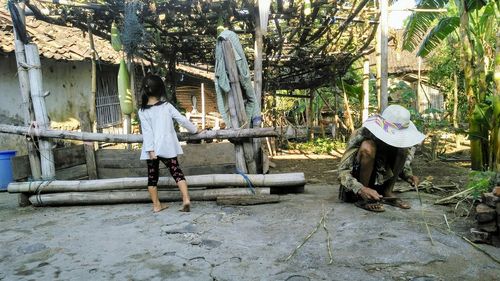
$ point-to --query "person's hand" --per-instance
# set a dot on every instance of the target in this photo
(413, 180)
(152, 155)
(369, 194)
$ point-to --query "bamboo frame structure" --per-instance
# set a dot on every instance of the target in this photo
(132, 138)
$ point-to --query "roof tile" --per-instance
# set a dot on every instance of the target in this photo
(58, 42)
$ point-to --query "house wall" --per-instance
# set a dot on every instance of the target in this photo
(69, 87)
(430, 98)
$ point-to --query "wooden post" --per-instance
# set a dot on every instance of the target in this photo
(86, 126)
(384, 94)
(42, 119)
(127, 121)
(237, 108)
(203, 113)
(258, 57)
(348, 114)
(310, 117)
(29, 116)
(366, 89)
(93, 83)
(378, 68)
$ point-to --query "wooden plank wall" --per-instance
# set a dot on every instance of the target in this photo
(69, 162)
(198, 159)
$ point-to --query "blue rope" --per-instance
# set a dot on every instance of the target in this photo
(248, 181)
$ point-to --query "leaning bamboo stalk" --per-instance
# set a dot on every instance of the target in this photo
(24, 86)
(239, 118)
(227, 50)
(118, 138)
(116, 197)
(38, 98)
(211, 180)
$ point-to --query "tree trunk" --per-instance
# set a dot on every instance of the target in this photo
(495, 137)
(467, 64)
(455, 101)
(455, 110)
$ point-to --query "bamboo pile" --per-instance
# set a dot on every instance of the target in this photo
(133, 190)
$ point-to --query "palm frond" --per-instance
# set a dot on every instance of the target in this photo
(419, 23)
(437, 34)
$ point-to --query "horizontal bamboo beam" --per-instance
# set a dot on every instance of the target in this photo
(212, 180)
(117, 138)
(117, 197)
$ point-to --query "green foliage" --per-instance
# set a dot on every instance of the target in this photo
(419, 23)
(438, 33)
(480, 182)
(318, 146)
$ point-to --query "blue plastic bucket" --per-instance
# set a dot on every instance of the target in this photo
(6, 168)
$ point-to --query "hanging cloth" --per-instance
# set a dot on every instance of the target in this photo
(222, 86)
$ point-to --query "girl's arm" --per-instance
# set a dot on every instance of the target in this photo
(182, 120)
(147, 133)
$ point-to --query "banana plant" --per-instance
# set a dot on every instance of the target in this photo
(475, 22)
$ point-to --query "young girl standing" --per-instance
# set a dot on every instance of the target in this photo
(160, 139)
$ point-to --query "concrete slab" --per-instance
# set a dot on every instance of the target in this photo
(129, 242)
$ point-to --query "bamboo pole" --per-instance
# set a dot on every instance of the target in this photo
(117, 197)
(285, 180)
(119, 138)
(384, 94)
(366, 89)
(42, 119)
(24, 85)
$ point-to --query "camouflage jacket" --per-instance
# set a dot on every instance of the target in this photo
(349, 158)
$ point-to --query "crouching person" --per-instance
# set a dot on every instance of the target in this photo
(376, 155)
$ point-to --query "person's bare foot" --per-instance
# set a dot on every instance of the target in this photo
(160, 208)
(186, 207)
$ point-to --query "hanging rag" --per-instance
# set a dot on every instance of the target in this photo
(222, 86)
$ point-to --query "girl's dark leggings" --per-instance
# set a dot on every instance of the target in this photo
(154, 170)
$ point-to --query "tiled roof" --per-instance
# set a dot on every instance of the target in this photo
(400, 61)
(56, 42)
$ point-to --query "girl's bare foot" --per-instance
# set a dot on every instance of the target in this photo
(185, 207)
(160, 208)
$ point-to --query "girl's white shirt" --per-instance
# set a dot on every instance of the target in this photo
(158, 130)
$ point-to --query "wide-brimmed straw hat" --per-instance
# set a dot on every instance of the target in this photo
(394, 127)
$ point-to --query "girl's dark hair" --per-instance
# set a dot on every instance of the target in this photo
(152, 86)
